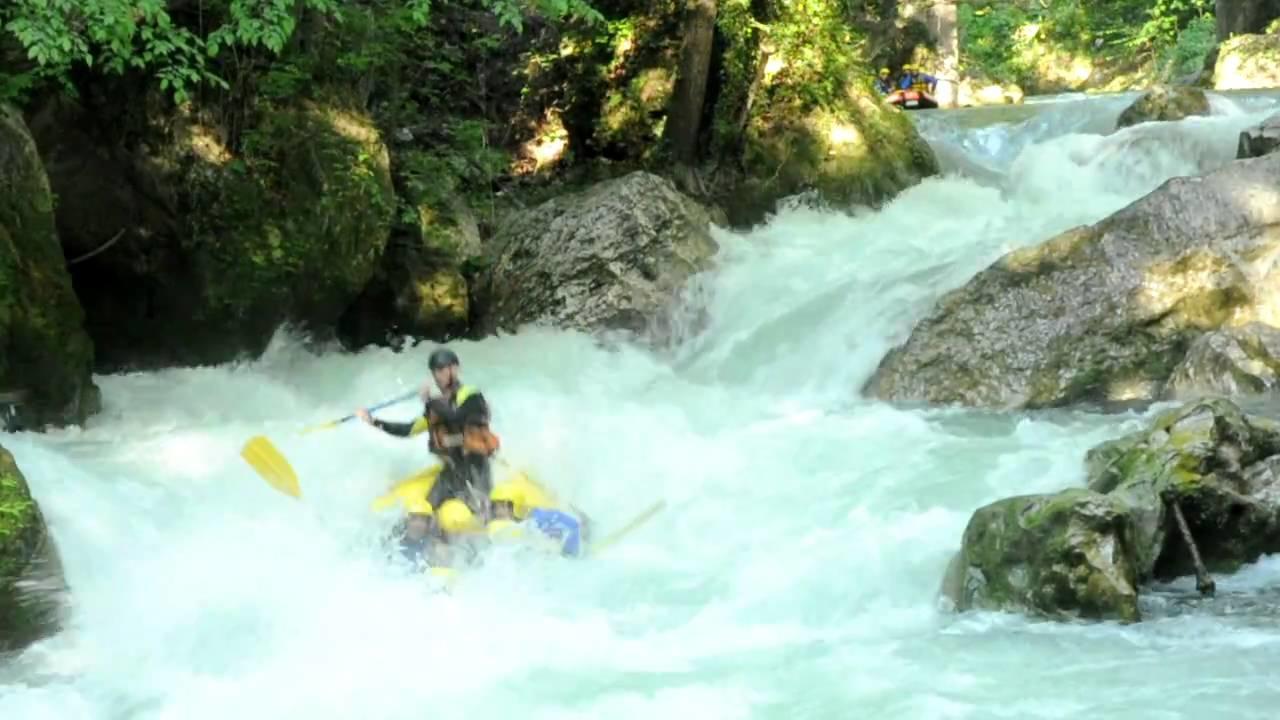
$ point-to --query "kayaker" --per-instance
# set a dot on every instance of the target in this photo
(913, 79)
(457, 423)
(884, 85)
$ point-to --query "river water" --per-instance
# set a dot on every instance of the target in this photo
(793, 573)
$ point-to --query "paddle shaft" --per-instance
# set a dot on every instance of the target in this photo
(392, 401)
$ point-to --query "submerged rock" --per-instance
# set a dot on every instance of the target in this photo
(1165, 103)
(31, 583)
(1232, 361)
(46, 357)
(614, 257)
(1104, 312)
(1068, 555)
(1086, 552)
(1260, 139)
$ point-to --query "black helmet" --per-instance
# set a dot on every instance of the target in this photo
(441, 358)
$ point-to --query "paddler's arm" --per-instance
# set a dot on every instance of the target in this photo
(398, 429)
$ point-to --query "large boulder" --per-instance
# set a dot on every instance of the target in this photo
(1260, 139)
(1219, 464)
(191, 244)
(1165, 103)
(46, 357)
(1086, 552)
(419, 289)
(613, 257)
(1231, 361)
(31, 582)
(1248, 62)
(1102, 312)
(1068, 555)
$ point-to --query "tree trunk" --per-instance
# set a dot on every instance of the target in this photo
(685, 116)
(1236, 17)
(946, 32)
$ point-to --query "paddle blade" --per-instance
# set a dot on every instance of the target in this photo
(267, 461)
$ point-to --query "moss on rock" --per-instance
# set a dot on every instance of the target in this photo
(299, 222)
(796, 106)
(24, 615)
(286, 225)
(1165, 103)
(44, 350)
(1067, 555)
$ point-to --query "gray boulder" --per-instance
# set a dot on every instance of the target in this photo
(1259, 139)
(612, 258)
(1103, 312)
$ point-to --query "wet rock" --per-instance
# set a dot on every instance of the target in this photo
(1067, 555)
(1259, 139)
(1165, 103)
(1086, 553)
(1106, 312)
(1219, 464)
(614, 257)
(46, 357)
(1248, 62)
(1232, 361)
(31, 582)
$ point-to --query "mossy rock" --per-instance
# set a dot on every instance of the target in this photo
(300, 223)
(46, 357)
(1068, 555)
(288, 227)
(858, 152)
(1216, 461)
(420, 290)
(1165, 103)
(25, 554)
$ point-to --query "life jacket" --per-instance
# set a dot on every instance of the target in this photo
(474, 438)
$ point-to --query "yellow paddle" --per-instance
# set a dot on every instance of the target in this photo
(264, 458)
(271, 465)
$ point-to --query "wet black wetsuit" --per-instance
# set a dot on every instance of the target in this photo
(451, 426)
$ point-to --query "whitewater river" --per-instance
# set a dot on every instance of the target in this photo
(793, 574)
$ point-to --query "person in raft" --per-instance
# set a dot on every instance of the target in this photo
(457, 423)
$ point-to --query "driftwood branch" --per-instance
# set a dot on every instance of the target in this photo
(1204, 583)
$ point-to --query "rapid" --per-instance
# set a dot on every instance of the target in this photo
(793, 573)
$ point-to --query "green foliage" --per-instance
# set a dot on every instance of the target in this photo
(1186, 55)
(996, 37)
(183, 52)
(988, 39)
(820, 51)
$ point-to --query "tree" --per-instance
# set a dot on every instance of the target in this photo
(684, 119)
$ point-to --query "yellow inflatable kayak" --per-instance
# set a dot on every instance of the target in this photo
(413, 489)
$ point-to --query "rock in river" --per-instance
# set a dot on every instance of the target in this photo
(1103, 312)
(1084, 553)
(613, 257)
